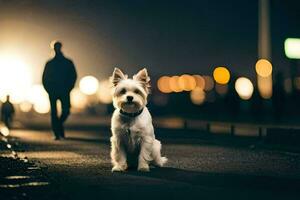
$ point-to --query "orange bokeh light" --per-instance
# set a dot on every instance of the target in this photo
(174, 84)
(197, 96)
(263, 68)
(200, 82)
(187, 82)
(221, 75)
(163, 84)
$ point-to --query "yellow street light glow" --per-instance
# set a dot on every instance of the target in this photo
(244, 88)
(163, 84)
(292, 48)
(263, 68)
(15, 78)
(174, 84)
(25, 106)
(39, 98)
(104, 93)
(78, 99)
(197, 96)
(221, 75)
(89, 85)
(187, 82)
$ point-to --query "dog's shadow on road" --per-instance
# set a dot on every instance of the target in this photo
(220, 180)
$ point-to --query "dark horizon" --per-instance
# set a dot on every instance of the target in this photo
(166, 37)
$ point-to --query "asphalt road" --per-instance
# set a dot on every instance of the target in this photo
(79, 168)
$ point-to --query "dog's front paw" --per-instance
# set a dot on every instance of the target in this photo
(162, 161)
(119, 168)
(144, 168)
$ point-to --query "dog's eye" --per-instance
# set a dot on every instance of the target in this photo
(123, 91)
(136, 91)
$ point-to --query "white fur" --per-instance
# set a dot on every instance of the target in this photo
(131, 134)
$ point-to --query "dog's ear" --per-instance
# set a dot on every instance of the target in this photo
(143, 78)
(117, 76)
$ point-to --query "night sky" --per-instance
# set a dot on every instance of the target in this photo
(167, 37)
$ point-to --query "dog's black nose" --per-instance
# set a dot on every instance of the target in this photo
(129, 98)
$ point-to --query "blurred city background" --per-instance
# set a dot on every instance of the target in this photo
(207, 60)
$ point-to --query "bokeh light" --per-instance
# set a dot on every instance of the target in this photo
(78, 99)
(4, 130)
(174, 84)
(89, 85)
(25, 106)
(104, 93)
(187, 82)
(244, 88)
(292, 48)
(265, 86)
(209, 83)
(39, 98)
(200, 82)
(163, 84)
(15, 78)
(221, 75)
(263, 68)
(197, 96)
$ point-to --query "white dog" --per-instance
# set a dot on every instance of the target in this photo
(131, 124)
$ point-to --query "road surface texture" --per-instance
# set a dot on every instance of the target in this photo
(79, 168)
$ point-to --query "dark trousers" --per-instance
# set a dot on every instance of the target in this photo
(58, 121)
(7, 119)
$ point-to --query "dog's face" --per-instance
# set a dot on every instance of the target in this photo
(130, 95)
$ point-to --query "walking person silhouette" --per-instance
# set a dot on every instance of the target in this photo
(7, 112)
(59, 78)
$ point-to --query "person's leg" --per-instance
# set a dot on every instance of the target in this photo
(6, 121)
(54, 118)
(65, 112)
(10, 120)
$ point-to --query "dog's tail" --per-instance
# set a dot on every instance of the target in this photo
(157, 158)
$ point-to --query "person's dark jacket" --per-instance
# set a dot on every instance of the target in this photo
(59, 75)
(7, 110)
